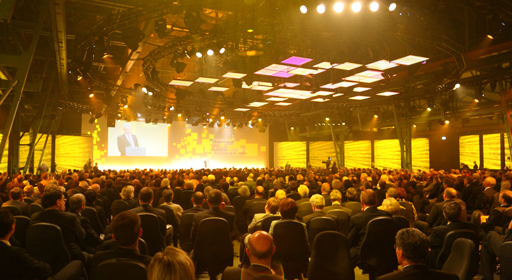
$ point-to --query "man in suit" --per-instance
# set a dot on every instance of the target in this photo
(145, 200)
(91, 201)
(253, 206)
(28, 191)
(317, 203)
(101, 200)
(303, 191)
(215, 201)
(336, 197)
(250, 183)
(412, 253)
(91, 240)
(292, 187)
(53, 202)
(485, 199)
(326, 189)
(490, 251)
(126, 231)
(271, 208)
(260, 251)
(16, 200)
(452, 211)
(15, 262)
(359, 222)
(496, 217)
(197, 201)
(127, 139)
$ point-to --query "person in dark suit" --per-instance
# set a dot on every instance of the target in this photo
(127, 139)
(317, 203)
(359, 222)
(336, 197)
(251, 205)
(490, 251)
(28, 191)
(325, 190)
(475, 166)
(304, 194)
(91, 240)
(485, 200)
(215, 201)
(90, 201)
(126, 231)
(260, 251)
(197, 201)
(15, 262)
(496, 217)
(271, 208)
(145, 200)
(412, 253)
(53, 202)
(16, 200)
(127, 194)
(292, 186)
(452, 211)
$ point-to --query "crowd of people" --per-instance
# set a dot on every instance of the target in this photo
(433, 202)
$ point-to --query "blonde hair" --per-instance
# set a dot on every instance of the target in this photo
(127, 192)
(391, 205)
(280, 195)
(172, 263)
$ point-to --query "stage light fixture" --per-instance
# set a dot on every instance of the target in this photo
(147, 120)
(145, 89)
(338, 7)
(375, 116)
(150, 93)
(132, 37)
(429, 109)
(414, 125)
(443, 138)
(374, 6)
(320, 9)
(476, 100)
(91, 95)
(447, 122)
(209, 52)
(356, 7)
(179, 115)
(456, 86)
(124, 100)
(177, 65)
(490, 36)
(292, 127)
(222, 117)
(326, 119)
(222, 50)
(303, 9)
(392, 7)
(199, 54)
(161, 27)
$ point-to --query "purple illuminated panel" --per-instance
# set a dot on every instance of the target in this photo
(282, 75)
(295, 60)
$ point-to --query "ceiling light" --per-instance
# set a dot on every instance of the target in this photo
(361, 89)
(456, 86)
(337, 94)
(303, 9)
(199, 54)
(323, 65)
(476, 100)
(447, 122)
(410, 59)
(206, 80)
(374, 6)
(356, 7)
(209, 52)
(388, 93)
(179, 115)
(242, 109)
(375, 116)
(338, 7)
(180, 83)
(222, 50)
(348, 66)
(91, 95)
(359, 97)
(326, 119)
(429, 109)
(150, 93)
(392, 7)
(443, 138)
(125, 106)
(218, 89)
(222, 117)
(283, 104)
(320, 9)
(233, 75)
(381, 65)
(490, 36)
(145, 89)
(320, 100)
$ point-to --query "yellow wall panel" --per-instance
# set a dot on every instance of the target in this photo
(358, 154)
(319, 151)
(469, 150)
(420, 154)
(72, 152)
(492, 151)
(387, 154)
(292, 152)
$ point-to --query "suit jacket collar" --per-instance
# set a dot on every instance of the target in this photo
(416, 267)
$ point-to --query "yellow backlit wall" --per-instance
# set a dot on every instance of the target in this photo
(72, 152)
(3, 164)
(508, 157)
(469, 149)
(319, 151)
(420, 154)
(492, 151)
(292, 152)
(387, 154)
(25, 149)
(358, 154)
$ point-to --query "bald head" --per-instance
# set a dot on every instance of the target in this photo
(326, 188)
(260, 191)
(261, 246)
(96, 188)
(450, 193)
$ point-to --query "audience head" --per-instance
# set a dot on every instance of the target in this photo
(280, 195)
(506, 197)
(412, 247)
(77, 202)
(261, 247)
(90, 196)
(390, 205)
(53, 197)
(16, 194)
(448, 183)
(489, 182)
(336, 184)
(215, 198)
(211, 178)
(288, 208)
(335, 196)
(351, 194)
(272, 205)
(198, 198)
(260, 191)
(96, 188)
(450, 193)
(452, 211)
(28, 191)
(505, 185)
(7, 222)
(244, 191)
(168, 195)
(326, 188)
(318, 201)
(368, 198)
(392, 192)
(172, 263)
(146, 195)
(126, 229)
(303, 191)
(165, 183)
(127, 192)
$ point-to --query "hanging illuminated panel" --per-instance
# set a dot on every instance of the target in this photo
(72, 152)
(292, 152)
(420, 154)
(358, 154)
(469, 150)
(492, 151)
(319, 151)
(387, 154)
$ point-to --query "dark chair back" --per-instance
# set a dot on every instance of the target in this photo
(230, 208)
(34, 208)
(377, 248)
(177, 195)
(255, 208)
(111, 195)
(354, 206)
(342, 220)
(330, 257)
(239, 202)
(292, 248)
(121, 268)
(213, 245)
(505, 257)
(460, 258)
(304, 210)
(45, 243)
(118, 206)
(15, 211)
(265, 224)
(112, 244)
(318, 225)
(186, 202)
(151, 233)
(408, 212)
(450, 238)
(173, 221)
(401, 221)
(185, 230)
(91, 214)
(22, 225)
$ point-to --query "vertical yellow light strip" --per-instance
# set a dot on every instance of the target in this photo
(420, 154)
(469, 150)
(358, 154)
(319, 151)
(292, 152)
(3, 164)
(492, 151)
(508, 157)
(387, 154)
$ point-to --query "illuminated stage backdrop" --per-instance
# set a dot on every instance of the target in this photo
(292, 152)
(420, 154)
(319, 151)
(469, 150)
(387, 154)
(492, 151)
(358, 154)
(72, 152)
(508, 157)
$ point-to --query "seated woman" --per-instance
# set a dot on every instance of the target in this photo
(172, 263)
(288, 209)
(127, 194)
(390, 205)
(271, 209)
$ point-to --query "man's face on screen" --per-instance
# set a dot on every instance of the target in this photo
(127, 129)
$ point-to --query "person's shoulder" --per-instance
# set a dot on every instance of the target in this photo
(232, 273)
(442, 275)
(391, 276)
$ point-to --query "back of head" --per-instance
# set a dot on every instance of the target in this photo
(244, 191)
(90, 196)
(76, 202)
(198, 198)
(259, 191)
(165, 183)
(6, 222)
(28, 190)
(146, 195)
(172, 263)
(335, 195)
(50, 197)
(215, 198)
(506, 195)
(211, 178)
(414, 245)
(293, 186)
(489, 182)
(450, 193)
(391, 205)
(303, 191)
(452, 211)
(15, 193)
(127, 192)
(318, 201)
(369, 198)
(126, 228)
(288, 208)
(261, 245)
(448, 182)
(272, 205)
(326, 187)
(168, 195)
(280, 195)
(392, 192)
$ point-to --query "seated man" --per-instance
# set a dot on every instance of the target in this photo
(197, 201)
(215, 201)
(496, 217)
(412, 253)
(16, 200)
(126, 231)
(270, 210)
(16, 263)
(260, 251)
(91, 240)
(317, 203)
(28, 192)
(91, 198)
(168, 196)
(336, 197)
(490, 249)
(145, 200)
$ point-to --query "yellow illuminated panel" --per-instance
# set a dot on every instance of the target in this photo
(420, 154)
(492, 151)
(387, 154)
(319, 151)
(72, 152)
(358, 154)
(469, 150)
(292, 152)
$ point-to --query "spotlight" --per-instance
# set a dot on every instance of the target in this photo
(179, 115)
(79, 77)
(125, 106)
(392, 7)
(375, 116)
(204, 126)
(326, 119)
(443, 138)
(209, 52)
(132, 37)
(199, 54)
(222, 50)
(447, 122)
(342, 123)
(292, 127)
(490, 36)
(303, 9)
(414, 125)
(356, 7)
(177, 65)
(222, 117)
(193, 20)
(320, 9)
(91, 95)
(259, 120)
(145, 89)
(476, 100)
(338, 7)
(124, 100)
(138, 115)
(456, 86)
(374, 6)
(150, 93)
